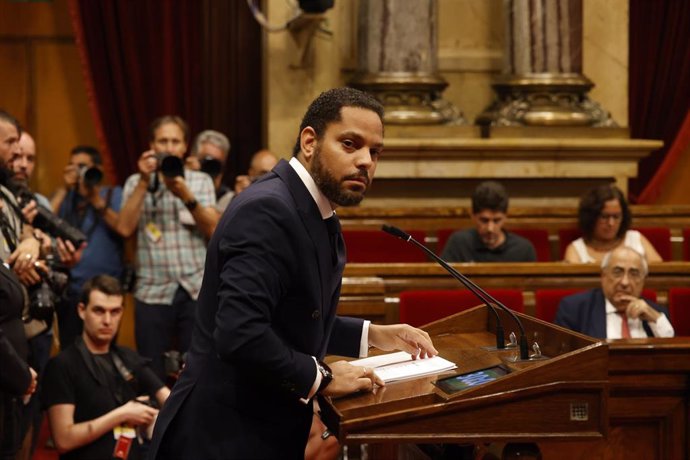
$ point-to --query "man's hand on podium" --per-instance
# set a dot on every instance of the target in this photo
(349, 379)
(402, 337)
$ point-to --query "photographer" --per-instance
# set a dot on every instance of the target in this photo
(209, 154)
(262, 162)
(172, 210)
(88, 205)
(97, 393)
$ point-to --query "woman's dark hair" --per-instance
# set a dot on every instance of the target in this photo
(593, 202)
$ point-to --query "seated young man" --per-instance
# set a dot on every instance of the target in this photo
(99, 395)
(488, 241)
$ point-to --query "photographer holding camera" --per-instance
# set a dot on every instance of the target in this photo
(172, 210)
(98, 394)
(209, 154)
(91, 207)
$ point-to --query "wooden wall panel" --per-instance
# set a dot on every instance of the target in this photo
(14, 78)
(62, 116)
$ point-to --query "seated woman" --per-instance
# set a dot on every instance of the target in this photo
(604, 218)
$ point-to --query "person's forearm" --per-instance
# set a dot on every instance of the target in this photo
(73, 436)
(57, 199)
(130, 212)
(109, 215)
(206, 218)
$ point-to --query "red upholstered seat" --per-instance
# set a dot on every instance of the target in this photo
(371, 246)
(442, 235)
(547, 300)
(679, 308)
(538, 237)
(422, 307)
(565, 237)
(660, 237)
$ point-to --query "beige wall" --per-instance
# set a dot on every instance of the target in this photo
(471, 40)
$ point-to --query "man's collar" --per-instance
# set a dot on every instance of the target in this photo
(318, 196)
(610, 308)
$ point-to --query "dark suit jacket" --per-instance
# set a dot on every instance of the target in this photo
(267, 305)
(585, 312)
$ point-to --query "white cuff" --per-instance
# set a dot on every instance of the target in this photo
(662, 327)
(315, 385)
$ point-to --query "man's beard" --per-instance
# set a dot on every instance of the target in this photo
(331, 187)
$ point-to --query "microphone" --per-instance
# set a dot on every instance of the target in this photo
(474, 288)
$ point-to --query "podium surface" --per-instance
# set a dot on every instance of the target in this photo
(561, 397)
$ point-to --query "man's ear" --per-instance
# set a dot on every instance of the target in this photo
(81, 310)
(308, 141)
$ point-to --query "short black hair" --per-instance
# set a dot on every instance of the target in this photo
(90, 151)
(490, 195)
(169, 119)
(106, 284)
(325, 109)
(591, 204)
(8, 118)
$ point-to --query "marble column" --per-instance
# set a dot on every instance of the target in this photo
(398, 63)
(542, 82)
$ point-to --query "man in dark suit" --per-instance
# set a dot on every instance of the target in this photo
(616, 310)
(266, 313)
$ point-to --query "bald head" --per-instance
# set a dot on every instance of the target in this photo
(623, 273)
(262, 162)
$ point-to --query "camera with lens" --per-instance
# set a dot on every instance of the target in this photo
(48, 222)
(90, 176)
(170, 165)
(211, 166)
(44, 295)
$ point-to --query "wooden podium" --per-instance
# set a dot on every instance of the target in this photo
(561, 397)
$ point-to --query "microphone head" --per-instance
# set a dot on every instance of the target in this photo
(395, 231)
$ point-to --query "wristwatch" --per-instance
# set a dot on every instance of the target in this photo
(326, 375)
(191, 204)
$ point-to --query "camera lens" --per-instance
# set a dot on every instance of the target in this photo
(91, 176)
(172, 166)
(211, 166)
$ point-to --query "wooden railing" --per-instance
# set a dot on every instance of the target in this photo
(371, 290)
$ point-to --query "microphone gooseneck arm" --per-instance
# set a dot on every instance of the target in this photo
(473, 287)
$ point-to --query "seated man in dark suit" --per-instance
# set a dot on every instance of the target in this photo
(616, 310)
(488, 241)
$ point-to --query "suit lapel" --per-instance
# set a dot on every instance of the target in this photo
(313, 224)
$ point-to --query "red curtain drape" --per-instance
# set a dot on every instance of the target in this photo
(659, 85)
(141, 59)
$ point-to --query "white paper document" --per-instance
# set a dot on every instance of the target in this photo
(400, 365)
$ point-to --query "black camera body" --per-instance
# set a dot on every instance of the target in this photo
(211, 166)
(48, 222)
(170, 165)
(44, 295)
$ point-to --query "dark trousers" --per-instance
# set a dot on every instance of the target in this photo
(159, 328)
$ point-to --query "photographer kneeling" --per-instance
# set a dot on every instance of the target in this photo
(99, 395)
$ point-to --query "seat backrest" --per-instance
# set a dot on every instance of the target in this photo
(371, 246)
(660, 237)
(565, 237)
(539, 238)
(424, 306)
(649, 294)
(547, 300)
(442, 236)
(679, 308)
